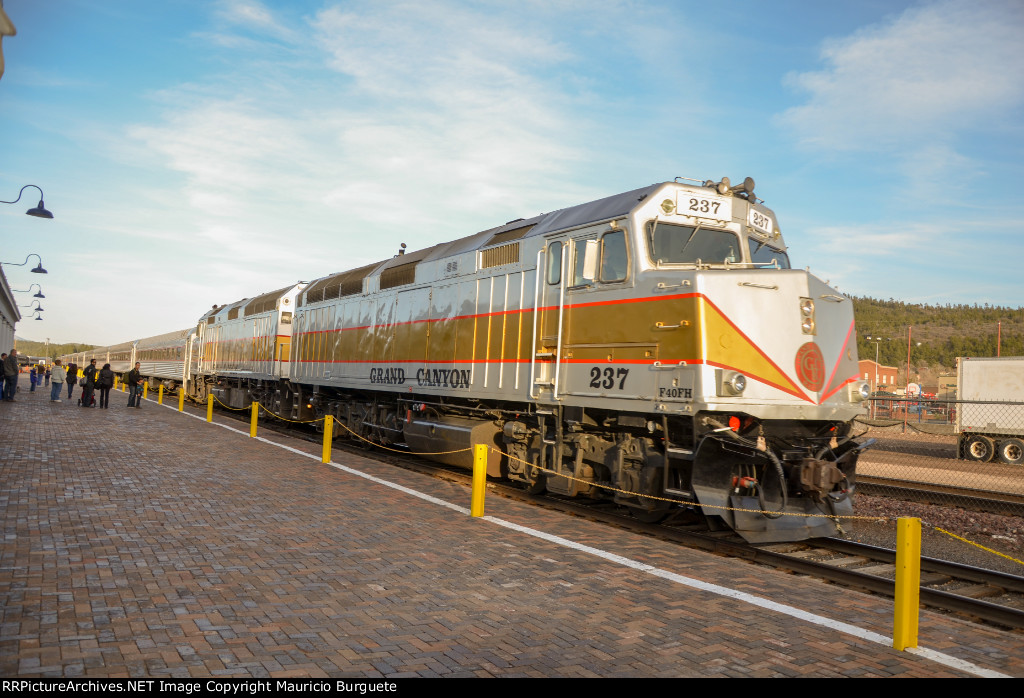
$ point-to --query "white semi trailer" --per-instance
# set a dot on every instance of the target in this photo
(990, 416)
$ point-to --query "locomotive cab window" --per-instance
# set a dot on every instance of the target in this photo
(763, 253)
(555, 263)
(584, 268)
(614, 257)
(683, 244)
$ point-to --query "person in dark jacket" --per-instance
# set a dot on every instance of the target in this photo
(135, 386)
(72, 378)
(105, 381)
(89, 374)
(11, 371)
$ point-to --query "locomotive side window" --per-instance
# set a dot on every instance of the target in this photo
(614, 257)
(684, 244)
(584, 269)
(762, 253)
(555, 263)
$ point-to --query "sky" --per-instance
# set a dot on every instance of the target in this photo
(196, 152)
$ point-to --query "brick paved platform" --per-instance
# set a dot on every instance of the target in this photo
(147, 542)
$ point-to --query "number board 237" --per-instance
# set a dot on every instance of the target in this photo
(704, 206)
(608, 378)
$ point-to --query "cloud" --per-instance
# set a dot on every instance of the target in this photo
(421, 123)
(254, 16)
(923, 76)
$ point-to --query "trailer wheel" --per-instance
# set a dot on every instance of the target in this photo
(1011, 451)
(979, 448)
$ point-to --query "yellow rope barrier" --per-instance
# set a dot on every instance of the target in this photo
(977, 545)
(395, 450)
(233, 409)
(343, 426)
(285, 419)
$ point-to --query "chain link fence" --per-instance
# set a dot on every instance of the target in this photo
(950, 448)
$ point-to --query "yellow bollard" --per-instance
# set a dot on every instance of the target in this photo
(328, 435)
(181, 399)
(476, 507)
(209, 408)
(908, 583)
(255, 416)
(145, 390)
(160, 398)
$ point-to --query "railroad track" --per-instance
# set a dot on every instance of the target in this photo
(942, 495)
(985, 595)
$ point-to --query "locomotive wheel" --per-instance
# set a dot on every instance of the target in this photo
(539, 485)
(1011, 451)
(979, 448)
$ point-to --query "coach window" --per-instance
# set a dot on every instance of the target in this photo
(555, 263)
(614, 257)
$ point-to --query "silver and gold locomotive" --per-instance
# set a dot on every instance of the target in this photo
(653, 348)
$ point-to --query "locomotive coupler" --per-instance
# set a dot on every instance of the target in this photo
(819, 477)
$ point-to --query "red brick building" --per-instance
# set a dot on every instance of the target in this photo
(879, 377)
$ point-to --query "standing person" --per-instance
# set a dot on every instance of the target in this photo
(89, 376)
(72, 377)
(135, 386)
(3, 357)
(59, 375)
(48, 373)
(105, 381)
(11, 370)
(33, 378)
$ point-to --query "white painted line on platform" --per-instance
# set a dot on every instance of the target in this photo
(867, 635)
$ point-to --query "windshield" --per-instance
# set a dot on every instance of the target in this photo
(763, 253)
(683, 244)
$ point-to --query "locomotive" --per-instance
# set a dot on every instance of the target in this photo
(652, 348)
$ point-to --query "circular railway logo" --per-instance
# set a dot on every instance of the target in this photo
(810, 366)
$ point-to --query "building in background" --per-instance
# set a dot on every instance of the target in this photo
(879, 377)
(9, 315)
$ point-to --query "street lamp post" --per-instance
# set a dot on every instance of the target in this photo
(874, 388)
(34, 310)
(37, 294)
(38, 268)
(39, 211)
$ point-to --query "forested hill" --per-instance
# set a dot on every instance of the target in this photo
(943, 331)
(30, 348)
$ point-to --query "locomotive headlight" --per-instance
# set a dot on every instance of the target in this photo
(807, 325)
(731, 383)
(860, 391)
(738, 383)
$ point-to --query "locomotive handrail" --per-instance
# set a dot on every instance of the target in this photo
(657, 365)
(536, 312)
(561, 314)
(770, 287)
